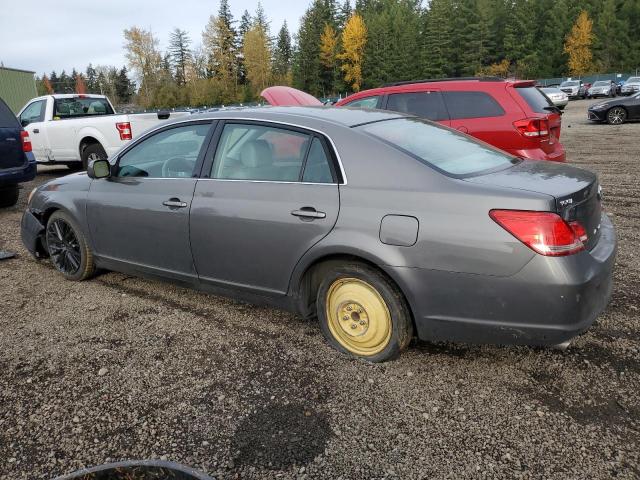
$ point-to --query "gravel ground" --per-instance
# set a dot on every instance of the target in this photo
(121, 368)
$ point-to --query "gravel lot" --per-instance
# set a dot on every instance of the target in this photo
(121, 368)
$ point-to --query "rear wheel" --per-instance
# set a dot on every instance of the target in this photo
(68, 248)
(9, 195)
(363, 314)
(616, 116)
(92, 152)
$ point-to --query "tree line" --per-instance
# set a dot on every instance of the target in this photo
(344, 46)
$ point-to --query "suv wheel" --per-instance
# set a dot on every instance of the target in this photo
(9, 195)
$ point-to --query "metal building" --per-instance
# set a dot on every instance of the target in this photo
(17, 87)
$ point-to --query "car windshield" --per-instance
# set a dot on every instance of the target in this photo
(633, 80)
(601, 84)
(549, 90)
(442, 148)
(570, 84)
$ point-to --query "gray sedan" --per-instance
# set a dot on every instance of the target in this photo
(382, 226)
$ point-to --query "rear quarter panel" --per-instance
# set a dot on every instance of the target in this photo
(455, 233)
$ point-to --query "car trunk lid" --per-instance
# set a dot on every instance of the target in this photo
(576, 192)
(280, 96)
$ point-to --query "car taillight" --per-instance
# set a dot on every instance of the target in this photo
(26, 141)
(124, 129)
(544, 232)
(533, 127)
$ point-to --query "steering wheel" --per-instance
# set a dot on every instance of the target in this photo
(177, 167)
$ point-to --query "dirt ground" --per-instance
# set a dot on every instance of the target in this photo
(245, 392)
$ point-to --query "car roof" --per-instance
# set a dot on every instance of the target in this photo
(347, 117)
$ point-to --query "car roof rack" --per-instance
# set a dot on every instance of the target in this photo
(458, 79)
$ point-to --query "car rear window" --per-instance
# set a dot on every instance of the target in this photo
(7, 118)
(423, 104)
(535, 99)
(444, 149)
(81, 107)
(471, 105)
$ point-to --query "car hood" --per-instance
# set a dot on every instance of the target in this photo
(557, 180)
(281, 96)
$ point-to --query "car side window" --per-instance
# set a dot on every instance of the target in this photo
(317, 168)
(258, 152)
(170, 153)
(368, 102)
(471, 105)
(422, 104)
(33, 113)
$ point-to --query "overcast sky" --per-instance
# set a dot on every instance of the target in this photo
(41, 35)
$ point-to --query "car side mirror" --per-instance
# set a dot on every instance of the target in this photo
(99, 169)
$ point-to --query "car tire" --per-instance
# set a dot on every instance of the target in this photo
(362, 313)
(9, 195)
(68, 248)
(616, 116)
(92, 152)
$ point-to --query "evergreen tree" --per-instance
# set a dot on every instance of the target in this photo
(308, 71)
(124, 86)
(611, 49)
(180, 54)
(343, 14)
(91, 79)
(282, 52)
(437, 45)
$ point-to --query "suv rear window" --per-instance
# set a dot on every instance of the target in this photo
(444, 149)
(471, 105)
(7, 118)
(423, 104)
(535, 99)
(81, 107)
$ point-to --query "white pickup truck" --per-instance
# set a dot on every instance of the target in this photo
(74, 129)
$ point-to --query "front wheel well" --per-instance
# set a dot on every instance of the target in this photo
(307, 289)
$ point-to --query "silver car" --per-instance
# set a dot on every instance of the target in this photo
(381, 225)
(631, 86)
(602, 88)
(557, 96)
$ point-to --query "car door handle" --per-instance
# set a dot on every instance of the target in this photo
(308, 212)
(174, 203)
(36, 130)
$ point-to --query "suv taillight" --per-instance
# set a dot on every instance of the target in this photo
(124, 129)
(26, 141)
(544, 232)
(533, 127)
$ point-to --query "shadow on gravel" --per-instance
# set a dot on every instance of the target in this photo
(280, 436)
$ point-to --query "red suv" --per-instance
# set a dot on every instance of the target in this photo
(511, 115)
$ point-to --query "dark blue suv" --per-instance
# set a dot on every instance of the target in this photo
(17, 163)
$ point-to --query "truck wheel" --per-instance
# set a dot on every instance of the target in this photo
(9, 196)
(363, 314)
(92, 152)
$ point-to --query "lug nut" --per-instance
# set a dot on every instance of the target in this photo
(353, 326)
(346, 317)
(349, 308)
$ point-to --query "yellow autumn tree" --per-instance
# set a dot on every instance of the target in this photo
(354, 39)
(257, 58)
(578, 45)
(328, 46)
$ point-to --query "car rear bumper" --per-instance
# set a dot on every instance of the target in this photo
(557, 155)
(32, 231)
(26, 173)
(548, 302)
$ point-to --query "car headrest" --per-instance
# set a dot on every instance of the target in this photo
(256, 153)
